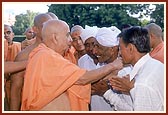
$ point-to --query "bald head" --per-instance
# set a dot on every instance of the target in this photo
(38, 24)
(40, 19)
(55, 35)
(29, 28)
(54, 26)
(154, 29)
(52, 15)
(8, 27)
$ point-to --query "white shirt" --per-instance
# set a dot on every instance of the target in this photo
(86, 62)
(97, 102)
(148, 91)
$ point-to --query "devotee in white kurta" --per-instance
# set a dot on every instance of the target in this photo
(106, 37)
(148, 91)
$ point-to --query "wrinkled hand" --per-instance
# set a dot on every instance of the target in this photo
(117, 64)
(123, 84)
(99, 88)
(109, 76)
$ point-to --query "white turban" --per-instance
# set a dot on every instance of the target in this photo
(88, 32)
(108, 36)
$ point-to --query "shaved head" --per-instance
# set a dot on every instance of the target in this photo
(55, 35)
(154, 29)
(38, 23)
(9, 27)
(40, 19)
(52, 15)
(54, 26)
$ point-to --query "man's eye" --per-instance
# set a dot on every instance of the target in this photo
(96, 45)
(86, 45)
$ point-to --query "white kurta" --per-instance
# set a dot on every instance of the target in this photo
(97, 102)
(148, 91)
(86, 62)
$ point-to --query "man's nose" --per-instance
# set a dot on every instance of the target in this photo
(91, 48)
(79, 41)
(94, 50)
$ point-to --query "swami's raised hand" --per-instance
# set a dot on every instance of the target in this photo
(117, 63)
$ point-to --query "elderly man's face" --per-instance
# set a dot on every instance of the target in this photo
(65, 42)
(104, 54)
(8, 33)
(77, 41)
(29, 34)
(89, 45)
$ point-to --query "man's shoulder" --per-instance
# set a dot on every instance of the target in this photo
(23, 55)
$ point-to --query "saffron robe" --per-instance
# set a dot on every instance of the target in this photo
(158, 52)
(49, 75)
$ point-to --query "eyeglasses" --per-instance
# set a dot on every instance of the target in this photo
(76, 39)
(8, 32)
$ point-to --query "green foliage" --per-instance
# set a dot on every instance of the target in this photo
(99, 14)
(144, 22)
(157, 16)
(23, 21)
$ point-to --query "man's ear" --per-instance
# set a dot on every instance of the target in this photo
(54, 39)
(131, 48)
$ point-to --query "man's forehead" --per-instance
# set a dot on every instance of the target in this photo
(75, 33)
(7, 28)
(91, 40)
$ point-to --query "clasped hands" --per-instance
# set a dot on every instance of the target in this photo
(121, 84)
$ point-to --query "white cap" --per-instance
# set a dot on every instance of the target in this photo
(108, 36)
(88, 32)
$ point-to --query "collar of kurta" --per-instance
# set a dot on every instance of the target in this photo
(138, 65)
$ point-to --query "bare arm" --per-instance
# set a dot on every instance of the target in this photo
(94, 75)
(10, 67)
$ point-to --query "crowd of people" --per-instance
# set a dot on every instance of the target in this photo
(57, 68)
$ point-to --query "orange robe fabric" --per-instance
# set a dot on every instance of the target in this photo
(5, 49)
(158, 52)
(47, 76)
(70, 56)
(12, 51)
